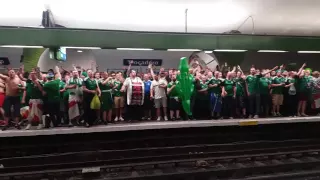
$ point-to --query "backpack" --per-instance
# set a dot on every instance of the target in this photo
(292, 90)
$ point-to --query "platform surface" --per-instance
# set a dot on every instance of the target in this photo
(156, 125)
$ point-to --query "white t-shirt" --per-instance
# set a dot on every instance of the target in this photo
(159, 92)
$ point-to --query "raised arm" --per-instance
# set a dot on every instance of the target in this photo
(57, 71)
(268, 71)
(151, 70)
(301, 69)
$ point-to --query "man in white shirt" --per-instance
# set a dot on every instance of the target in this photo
(158, 93)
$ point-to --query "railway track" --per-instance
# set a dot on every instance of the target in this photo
(172, 155)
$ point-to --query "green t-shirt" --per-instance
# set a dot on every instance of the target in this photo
(174, 91)
(202, 95)
(264, 85)
(90, 84)
(52, 88)
(32, 90)
(105, 87)
(65, 94)
(252, 83)
(278, 89)
(240, 84)
(228, 86)
(216, 90)
(116, 91)
(303, 84)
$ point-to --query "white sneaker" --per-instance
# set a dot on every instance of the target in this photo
(39, 126)
(116, 119)
(255, 117)
(159, 119)
(28, 127)
(121, 119)
(165, 118)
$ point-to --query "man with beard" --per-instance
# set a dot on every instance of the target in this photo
(52, 91)
(134, 87)
(13, 87)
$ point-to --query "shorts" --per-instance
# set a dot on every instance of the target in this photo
(162, 102)
(303, 96)
(12, 101)
(277, 99)
(174, 104)
(119, 102)
(2, 97)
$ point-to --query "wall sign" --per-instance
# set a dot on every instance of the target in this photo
(142, 62)
(4, 61)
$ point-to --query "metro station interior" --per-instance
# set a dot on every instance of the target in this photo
(111, 36)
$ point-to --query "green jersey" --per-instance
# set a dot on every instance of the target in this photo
(264, 85)
(303, 84)
(228, 86)
(202, 95)
(105, 87)
(90, 84)
(174, 91)
(240, 84)
(217, 89)
(278, 89)
(252, 83)
(116, 90)
(52, 88)
(33, 92)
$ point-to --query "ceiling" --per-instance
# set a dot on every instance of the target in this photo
(155, 40)
(270, 17)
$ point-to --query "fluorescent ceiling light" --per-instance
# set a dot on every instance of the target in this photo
(70, 47)
(308, 51)
(183, 50)
(21, 46)
(279, 51)
(135, 49)
(208, 51)
(230, 50)
(79, 51)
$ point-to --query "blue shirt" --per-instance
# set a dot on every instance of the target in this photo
(147, 85)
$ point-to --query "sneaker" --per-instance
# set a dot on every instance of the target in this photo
(148, 119)
(278, 114)
(159, 119)
(116, 119)
(165, 118)
(173, 119)
(250, 117)
(255, 117)
(121, 119)
(143, 118)
(304, 115)
(230, 117)
(39, 126)
(298, 114)
(28, 127)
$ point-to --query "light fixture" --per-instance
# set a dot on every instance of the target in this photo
(135, 49)
(308, 51)
(208, 52)
(183, 50)
(79, 51)
(21, 46)
(229, 50)
(275, 51)
(70, 47)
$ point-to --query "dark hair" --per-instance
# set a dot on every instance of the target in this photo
(26, 74)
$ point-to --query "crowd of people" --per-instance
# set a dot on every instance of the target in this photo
(87, 97)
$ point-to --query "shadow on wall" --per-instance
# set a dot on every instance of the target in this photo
(85, 59)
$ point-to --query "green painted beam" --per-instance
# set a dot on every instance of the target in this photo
(155, 40)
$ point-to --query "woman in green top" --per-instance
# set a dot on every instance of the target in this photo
(90, 88)
(304, 91)
(106, 86)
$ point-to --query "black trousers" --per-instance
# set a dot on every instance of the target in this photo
(228, 106)
(134, 112)
(291, 104)
(265, 100)
(89, 114)
(254, 104)
(54, 113)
